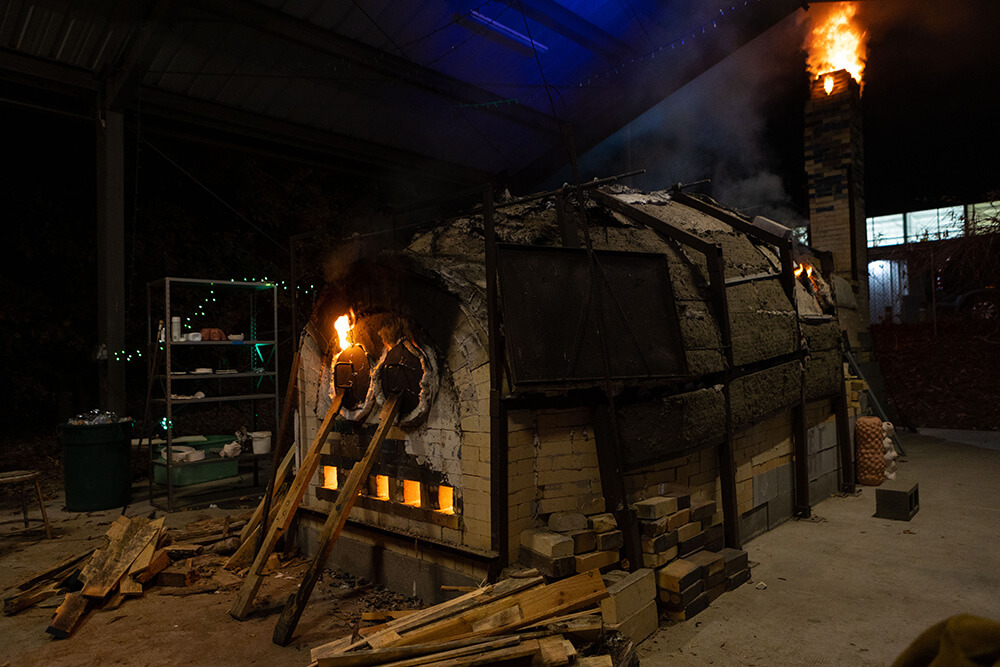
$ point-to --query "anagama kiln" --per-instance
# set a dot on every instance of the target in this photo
(639, 340)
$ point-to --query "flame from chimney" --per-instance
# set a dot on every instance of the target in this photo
(836, 42)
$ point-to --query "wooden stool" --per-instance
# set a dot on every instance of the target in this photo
(22, 477)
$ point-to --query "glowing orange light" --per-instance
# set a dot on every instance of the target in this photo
(330, 477)
(446, 499)
(381, 487)
(343, 326)
(411, 492)
(836, 42)
(798, 270)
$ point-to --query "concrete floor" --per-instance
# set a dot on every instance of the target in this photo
(847, 588)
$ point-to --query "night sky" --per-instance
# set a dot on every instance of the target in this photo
(930, 103)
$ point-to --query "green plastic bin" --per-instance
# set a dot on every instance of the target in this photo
(97, 465)
(209, 470)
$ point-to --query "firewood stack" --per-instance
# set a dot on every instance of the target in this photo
(138, 553)
(520, 620)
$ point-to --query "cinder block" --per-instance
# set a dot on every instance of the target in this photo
(602, 523)
(639, 625)
(898, 500)
(583, 541)
(688, 530)
(629, 595)
(677, 575)
(655, 507)
(596, 560)
(612, 539)
(659, 559)
(660, 543)
(550, 567)
(547, 543)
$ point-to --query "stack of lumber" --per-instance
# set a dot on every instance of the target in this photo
(136, 553)
(516, 621)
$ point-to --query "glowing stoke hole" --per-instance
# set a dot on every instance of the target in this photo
(330, 477)
(828, 84)
(343, 327)
(411, 493)
(446, 499)
(381, 487)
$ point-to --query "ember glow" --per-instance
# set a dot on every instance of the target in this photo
(836, 42)
(343, 326)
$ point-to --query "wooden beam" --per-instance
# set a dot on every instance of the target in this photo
(296, 604)
(285, 512)
(103, 574)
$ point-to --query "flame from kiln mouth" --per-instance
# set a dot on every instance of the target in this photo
(343, 326)
(837, 42)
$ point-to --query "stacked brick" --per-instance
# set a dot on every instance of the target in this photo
(572, 542)
(687, 586)
(680, 540)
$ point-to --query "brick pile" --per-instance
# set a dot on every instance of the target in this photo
(572, 542)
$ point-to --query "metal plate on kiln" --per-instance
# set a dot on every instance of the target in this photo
(556, 307)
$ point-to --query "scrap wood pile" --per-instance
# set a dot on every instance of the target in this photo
(138, 553)
(515, 621)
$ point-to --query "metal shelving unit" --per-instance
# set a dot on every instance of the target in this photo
(167, 358)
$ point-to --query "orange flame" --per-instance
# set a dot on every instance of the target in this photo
(343, 326)
(798, 269)
(836, 42)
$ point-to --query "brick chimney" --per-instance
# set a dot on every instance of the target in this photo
(834, 156)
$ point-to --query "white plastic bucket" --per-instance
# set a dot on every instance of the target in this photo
(261, 441)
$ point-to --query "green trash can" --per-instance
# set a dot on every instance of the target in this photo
(97, 465)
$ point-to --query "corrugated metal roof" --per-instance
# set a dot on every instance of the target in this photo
(431, 78)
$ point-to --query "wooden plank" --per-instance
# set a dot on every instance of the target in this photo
(485, 595)
(68, 615)
(285, 513)
(521, 651)
(537, 604)
(334, 524)
(160, 562)
(386, 615)
(143, 560)
(284, 468)
(53, 572)
(501, 618)
(20, 601)
(129, 587)
(120, 555)
(553, 652)
(432, 652)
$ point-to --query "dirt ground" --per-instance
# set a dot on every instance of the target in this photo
(161, 628)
